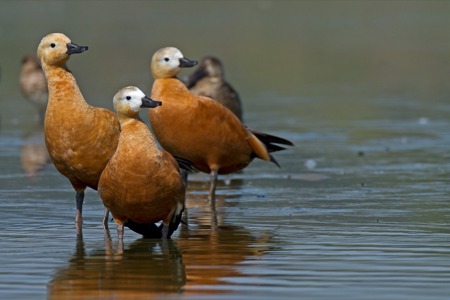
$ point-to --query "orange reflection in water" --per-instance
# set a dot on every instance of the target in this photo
(145, 268)
(196, 262)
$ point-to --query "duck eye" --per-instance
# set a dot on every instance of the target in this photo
(53, 45)
(128, 98)
(166, 58)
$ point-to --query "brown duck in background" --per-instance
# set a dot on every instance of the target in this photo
(80, 138)
(200, 129)
(209, 81)
(141, 183)
(33, 84)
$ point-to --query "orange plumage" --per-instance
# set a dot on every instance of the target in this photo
(141, 183)
(198, 128)
(80, 138)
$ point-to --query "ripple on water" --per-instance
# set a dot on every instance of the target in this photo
(368, 221)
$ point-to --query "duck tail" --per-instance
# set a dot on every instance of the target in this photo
(185, 165)
(263, 144)
(147, 230)
(174, 222)
(270, 141)
(258, 147)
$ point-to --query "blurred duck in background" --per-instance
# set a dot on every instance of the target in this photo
(33, 153)
(209, 80)
(33, 84)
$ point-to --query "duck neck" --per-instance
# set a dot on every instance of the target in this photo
(168, 89)
(132, 128)
(124, 119)
(63, 88)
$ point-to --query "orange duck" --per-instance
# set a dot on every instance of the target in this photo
(80, 138)
(141, 184)
(200, 129)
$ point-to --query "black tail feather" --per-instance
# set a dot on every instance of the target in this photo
(269, 140)
(173, 225)
(274, 148)
(272, 159)
(185, 164)
(148, 230)
(175, 222)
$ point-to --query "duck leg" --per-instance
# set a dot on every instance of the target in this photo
(212, 188)
(105, 218)
(79, 199)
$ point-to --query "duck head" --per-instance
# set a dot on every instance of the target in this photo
(56, 48)
(167, 62)
(130, 100)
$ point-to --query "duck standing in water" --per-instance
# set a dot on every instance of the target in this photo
(141, 184)
(200, 129)
(80, 138)
(209, 81)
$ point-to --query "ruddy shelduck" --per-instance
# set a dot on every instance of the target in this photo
(141, 183)
(200, 129)
(209, 80)
(33, 84)
(80, 138)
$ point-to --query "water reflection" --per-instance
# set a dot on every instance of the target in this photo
(201, 256)
(211, 247)
(143, 268)
(33, 153)
(197, 198)
(212, 256)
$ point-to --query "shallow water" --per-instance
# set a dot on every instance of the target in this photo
(359, 209)
(370, 221)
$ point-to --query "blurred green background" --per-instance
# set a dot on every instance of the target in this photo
(328, 59)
